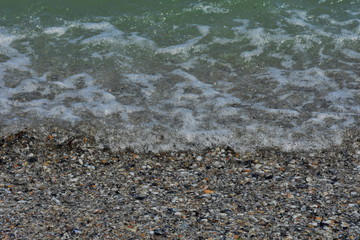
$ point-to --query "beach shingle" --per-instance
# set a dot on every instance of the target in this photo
(67, 186)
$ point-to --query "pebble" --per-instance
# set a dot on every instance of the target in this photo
(218, 164)
(96, 194)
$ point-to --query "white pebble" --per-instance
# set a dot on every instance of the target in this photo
(218, 164)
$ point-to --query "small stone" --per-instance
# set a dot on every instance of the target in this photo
(140, 197)
(313, 224)
(328, 222)
(32, 159)
(194, 166)
(218, 164)
(57, 201)
(345, 225)
(184, 225)
(76, 231)
(159, 232)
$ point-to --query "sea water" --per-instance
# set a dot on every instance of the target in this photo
(184, 74)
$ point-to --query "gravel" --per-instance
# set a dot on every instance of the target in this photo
(60, 184)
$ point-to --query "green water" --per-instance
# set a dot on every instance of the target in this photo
(134, 14)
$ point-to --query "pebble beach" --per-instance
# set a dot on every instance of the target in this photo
(180, 120)
(62, 184)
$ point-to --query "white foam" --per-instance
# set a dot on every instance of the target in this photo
(188, 120)
(143, 79)
(351, 53)
(298, 18)
(223, 41)
(207, 8)
(310, 78)
(259, 38)
(347, 36)
(229, 111)
(108, 33)
(59, 31)
(102, 110)
(282, 112)
(134, 38)
(145, 82)
(5, 38)
(188, 45)
(287, 61)
(61, 112)
(339, 95)
(16, 60)
(76, 81)
(101, 26)
(193, 82)
(226, 100)
(104, 37)
(332, 21)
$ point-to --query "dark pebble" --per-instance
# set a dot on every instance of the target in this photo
(32, 159)
(140, 197)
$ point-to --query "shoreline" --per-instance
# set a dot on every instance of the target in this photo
(64, 185)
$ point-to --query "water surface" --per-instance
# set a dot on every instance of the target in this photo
(171, 75)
